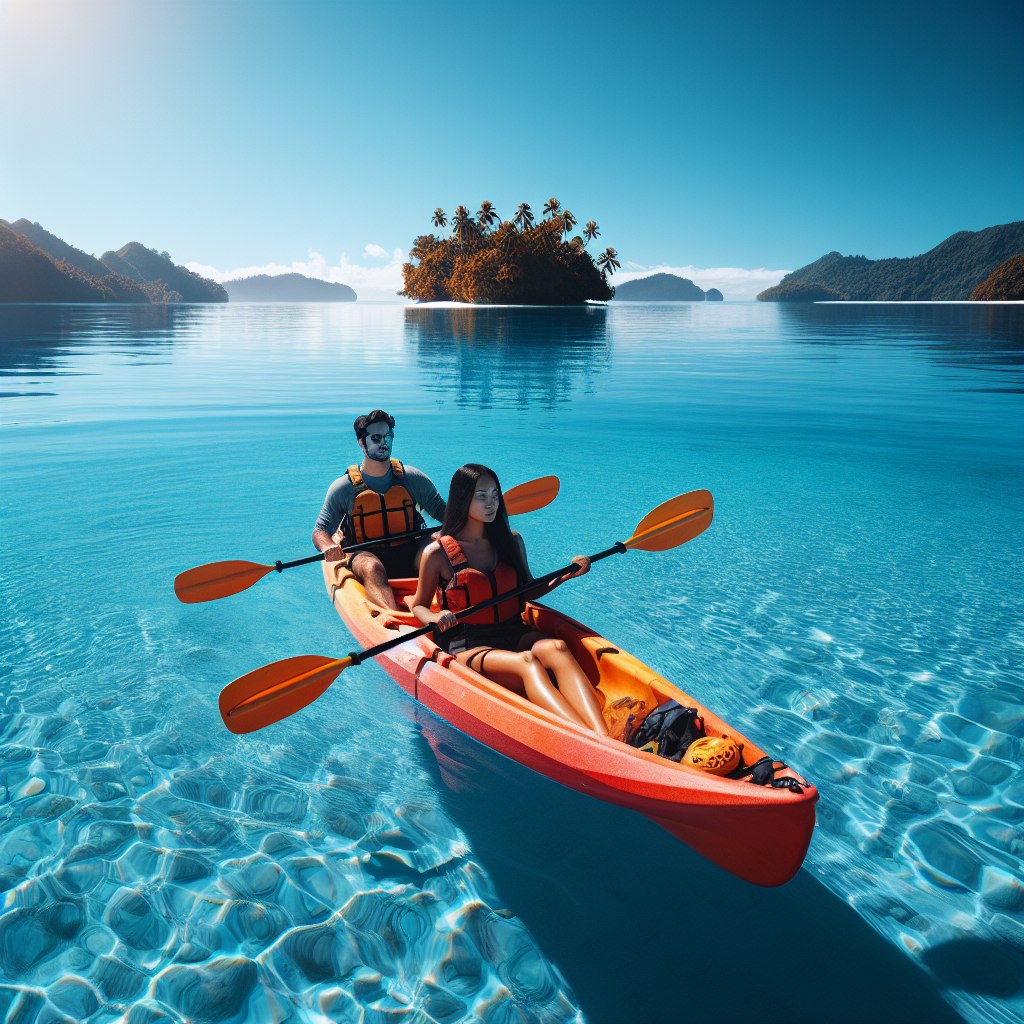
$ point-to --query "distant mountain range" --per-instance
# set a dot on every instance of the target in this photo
(950, 271)
(665, 288)
(287, 288)
(37, 266)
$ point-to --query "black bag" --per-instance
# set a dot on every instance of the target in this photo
(668, 730)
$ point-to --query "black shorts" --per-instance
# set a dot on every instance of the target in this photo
(504, 636)
(398, 561)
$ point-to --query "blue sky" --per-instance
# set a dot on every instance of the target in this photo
(730, 134)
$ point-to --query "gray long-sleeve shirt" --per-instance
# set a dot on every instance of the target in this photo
(341, 496)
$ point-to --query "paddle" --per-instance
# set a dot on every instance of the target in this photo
(275, 691)
(222, 579)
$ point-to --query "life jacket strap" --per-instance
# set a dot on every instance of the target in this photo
(456, 556)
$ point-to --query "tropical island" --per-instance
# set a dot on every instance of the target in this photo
(665, 288)
(287, 288)
(517, 262)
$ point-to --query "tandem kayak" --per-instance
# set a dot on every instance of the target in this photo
(759, 833)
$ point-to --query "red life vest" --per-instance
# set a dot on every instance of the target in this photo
(380, 515)
(469, 586)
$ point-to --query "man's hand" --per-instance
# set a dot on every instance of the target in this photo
(446, 620)
(333, 554)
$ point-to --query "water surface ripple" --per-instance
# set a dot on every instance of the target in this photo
(856, 607)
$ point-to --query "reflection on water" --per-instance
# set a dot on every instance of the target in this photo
(608, 894)
(856, 606)
(965, 336)
(494, 357)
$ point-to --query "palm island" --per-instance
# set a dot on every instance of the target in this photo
(517, 261)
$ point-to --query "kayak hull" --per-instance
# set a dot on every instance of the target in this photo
(759, 833)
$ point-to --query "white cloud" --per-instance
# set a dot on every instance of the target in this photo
(368, 282)
(383, 282)
(734, 283)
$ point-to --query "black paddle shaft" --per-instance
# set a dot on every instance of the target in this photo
(371, 652)
(411, 535)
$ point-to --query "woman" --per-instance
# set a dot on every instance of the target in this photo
(477, 556)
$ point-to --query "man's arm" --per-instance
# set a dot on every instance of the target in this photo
(337, 505)
(424, 493)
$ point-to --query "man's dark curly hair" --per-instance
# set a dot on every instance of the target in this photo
(362, 423)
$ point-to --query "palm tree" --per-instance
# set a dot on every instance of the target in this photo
(568, 222)
(524, 217)
(486, 215)
(607, 263)
(552, 206)
(590, 232)
(439, 219)
(460, 223)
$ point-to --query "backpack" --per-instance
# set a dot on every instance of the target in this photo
(668, 730)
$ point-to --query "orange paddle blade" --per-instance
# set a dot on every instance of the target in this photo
(275, 691)
(674, 522)
(216, 580)
(532, 495)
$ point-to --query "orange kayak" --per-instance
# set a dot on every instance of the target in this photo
(759, 833)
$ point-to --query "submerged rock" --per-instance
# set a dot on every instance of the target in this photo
(132, 918)
(74, 996)
(218, 991)
(119, 982)
(313, 955)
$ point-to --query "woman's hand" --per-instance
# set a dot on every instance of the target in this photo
(584, 567)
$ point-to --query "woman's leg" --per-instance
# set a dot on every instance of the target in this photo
(573, 683)
(520, 670)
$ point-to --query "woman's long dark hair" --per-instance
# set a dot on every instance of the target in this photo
(456, 514)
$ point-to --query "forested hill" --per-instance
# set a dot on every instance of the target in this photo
(660, 288)
(58, 248)
(949, 271)
(287, 288)
(37, 266)
(138, 263)
(28, 274)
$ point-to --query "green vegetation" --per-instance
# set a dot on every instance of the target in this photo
(949, 271)
(36, 266)
(517, 262)
(801, 291)
(28, 274)
(58, 249)
(1004, 283)
(147, 266)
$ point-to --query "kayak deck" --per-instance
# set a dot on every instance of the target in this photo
(756, 832)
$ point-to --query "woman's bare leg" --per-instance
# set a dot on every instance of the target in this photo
(573, 683)
(520, 670)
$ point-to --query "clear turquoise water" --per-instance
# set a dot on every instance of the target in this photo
(856, 607)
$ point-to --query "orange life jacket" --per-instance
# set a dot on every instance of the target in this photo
(380, 515)
(469, 586)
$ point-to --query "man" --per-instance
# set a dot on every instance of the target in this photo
(378, 498)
